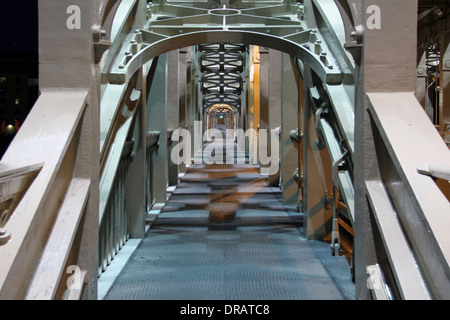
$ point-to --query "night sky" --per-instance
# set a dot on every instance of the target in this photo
(18, 26)
(18, 53)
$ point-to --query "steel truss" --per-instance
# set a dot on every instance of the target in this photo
(222, 67)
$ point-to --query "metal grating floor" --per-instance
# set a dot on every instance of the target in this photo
(208, 243)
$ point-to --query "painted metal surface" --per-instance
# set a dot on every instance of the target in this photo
(96, 86)
(415, 197)
(173, 26)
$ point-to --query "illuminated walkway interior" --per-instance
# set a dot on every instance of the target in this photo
(224, 234)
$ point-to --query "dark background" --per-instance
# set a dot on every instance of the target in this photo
(19, 55)
(19, 26)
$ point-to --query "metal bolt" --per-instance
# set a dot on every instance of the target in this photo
(138, 36)
(312, 36)
(357, 33)
(128, 56)
(134, 46)
(98, 32)
(300, 12)
(317, 46)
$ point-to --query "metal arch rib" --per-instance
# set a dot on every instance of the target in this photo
(280, 27)
(122, 73)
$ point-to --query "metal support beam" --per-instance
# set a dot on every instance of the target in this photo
(156, 120)
(291, 84)
(182, 113)
(135, 199)
(274, 78)
(317, 166)
(264, 93)
(173, 112)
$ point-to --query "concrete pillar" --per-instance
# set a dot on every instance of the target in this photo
(289, 121)
(172, 106)
(156, 120)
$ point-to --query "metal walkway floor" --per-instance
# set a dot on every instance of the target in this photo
(224, 235)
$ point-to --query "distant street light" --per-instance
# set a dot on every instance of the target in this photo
(9, 129)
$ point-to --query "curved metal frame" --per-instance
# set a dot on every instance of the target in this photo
(280, 27)
(59, 212)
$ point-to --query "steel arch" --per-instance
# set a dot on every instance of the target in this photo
(280, 27)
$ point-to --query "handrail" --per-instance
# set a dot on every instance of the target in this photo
(406, 140)
(436, 171)
(42, 144)
(410, 282)
(118, 116)
(117, 155)
(13, 185)
(113, 150)
(113, 226)
(53, 259)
